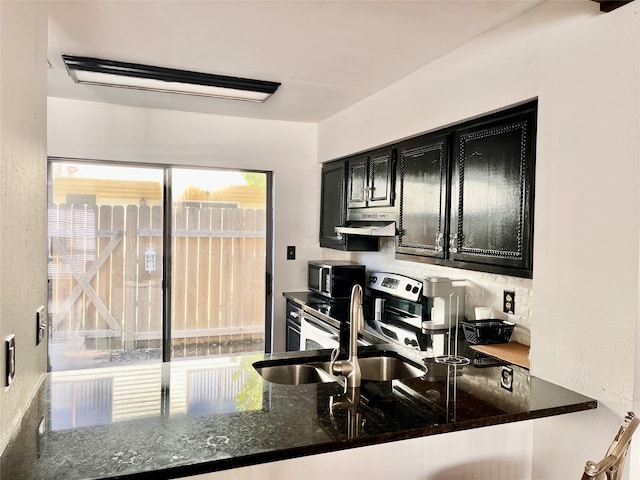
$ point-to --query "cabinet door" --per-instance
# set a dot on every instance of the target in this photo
(492, 200)
(380, 187)
(357, 182)
(332, 203)
(422, 188)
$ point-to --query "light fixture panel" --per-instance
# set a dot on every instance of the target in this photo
(93, 71)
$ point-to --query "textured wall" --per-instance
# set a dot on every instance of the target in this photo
(23, 201)
(100, 131)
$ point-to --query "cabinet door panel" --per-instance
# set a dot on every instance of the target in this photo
(357, 188)
(492, 193)
(422, 181)
(332, 203)
(380, 179)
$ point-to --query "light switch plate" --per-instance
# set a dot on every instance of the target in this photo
(10, 349)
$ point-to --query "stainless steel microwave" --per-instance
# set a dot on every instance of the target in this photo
(335, 279)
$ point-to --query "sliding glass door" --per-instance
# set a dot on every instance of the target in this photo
(218, 261)
(115, 228)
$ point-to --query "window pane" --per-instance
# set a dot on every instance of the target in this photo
(105, 268)
(218, 262)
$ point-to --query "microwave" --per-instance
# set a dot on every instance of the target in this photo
(335, 279)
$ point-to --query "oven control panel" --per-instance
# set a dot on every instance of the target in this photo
(397, 285)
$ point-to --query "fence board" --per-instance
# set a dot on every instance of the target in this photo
(226, 266)
(117, 280)
(191, 294)
(179, 280)
(144, 242)
(217, 278)
(130, 275)
(103, 287)
(204, 271)
(155, 280)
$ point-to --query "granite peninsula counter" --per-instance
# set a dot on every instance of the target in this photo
(196, 416)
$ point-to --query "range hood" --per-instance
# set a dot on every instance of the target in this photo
(368, 228)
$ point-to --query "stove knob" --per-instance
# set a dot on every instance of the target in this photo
(407, 341)
(415, 289)
(408, 288)
(414, 343)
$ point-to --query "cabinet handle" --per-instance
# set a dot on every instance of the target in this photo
(371, 189)
(453, 243)
(439, 239)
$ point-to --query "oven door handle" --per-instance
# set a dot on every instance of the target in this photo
(318, 329)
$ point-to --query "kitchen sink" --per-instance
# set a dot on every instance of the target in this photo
(294, 373)
(385, 367)
(379, 366)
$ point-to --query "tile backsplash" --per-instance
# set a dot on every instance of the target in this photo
(482, 289)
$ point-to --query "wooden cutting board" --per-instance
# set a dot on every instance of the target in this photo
(512, 352)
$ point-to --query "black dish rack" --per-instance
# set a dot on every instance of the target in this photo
(486, 332)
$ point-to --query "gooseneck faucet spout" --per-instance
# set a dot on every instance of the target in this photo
(350, 368)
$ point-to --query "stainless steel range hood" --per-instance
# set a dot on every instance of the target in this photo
(368, 228)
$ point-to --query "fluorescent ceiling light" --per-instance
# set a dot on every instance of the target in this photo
(109, 73)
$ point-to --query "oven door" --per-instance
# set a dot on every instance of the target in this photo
(316, 334)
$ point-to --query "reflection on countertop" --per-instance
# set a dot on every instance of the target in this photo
(194, 416)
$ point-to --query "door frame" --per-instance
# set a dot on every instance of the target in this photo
(167, 238)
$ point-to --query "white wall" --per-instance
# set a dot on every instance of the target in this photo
(99, 131)
(584, 67)
(494, 453)
(23, 201)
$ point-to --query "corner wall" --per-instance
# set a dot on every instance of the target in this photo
(584, 68)
(100, 131)
(23, 202)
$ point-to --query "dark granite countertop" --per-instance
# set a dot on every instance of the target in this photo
(158, 420)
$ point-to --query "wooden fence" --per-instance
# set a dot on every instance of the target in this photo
(102, 294)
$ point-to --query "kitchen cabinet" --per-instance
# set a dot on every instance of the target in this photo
(422, 185)
(370, 179)
(333, 211)
(465, 194)
(492, 190)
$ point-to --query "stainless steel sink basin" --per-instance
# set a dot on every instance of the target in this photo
(382, 367)
(386, 368)
(293, 374)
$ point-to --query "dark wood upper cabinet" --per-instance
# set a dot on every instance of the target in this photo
(492, 191)
(370, 179)
(465, 194)
(333, 209)
(422, 192)
(332, 203)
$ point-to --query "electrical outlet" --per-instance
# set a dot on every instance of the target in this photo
(41, 325)
(291, 252)
(506, 378)
(509, 302)
(10, 348)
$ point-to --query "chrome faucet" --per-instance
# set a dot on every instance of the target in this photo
(350, 368)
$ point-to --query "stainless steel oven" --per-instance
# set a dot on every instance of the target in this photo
(316, 334)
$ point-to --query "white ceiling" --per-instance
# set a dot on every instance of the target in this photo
(328, 55)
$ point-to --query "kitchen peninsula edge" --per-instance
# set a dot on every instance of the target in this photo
(184, 433)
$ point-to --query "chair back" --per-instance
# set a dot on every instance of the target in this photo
(611, 467)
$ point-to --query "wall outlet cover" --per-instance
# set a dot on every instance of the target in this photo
(291, 252)
(506, 378)
(41, 325)
(509, 302)
(10, 349)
